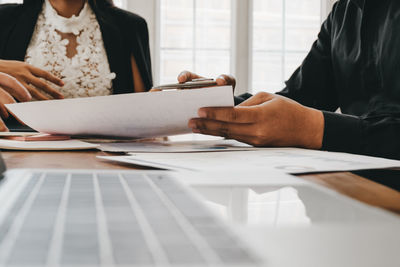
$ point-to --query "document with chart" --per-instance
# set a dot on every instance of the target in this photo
(140, 115)
(288, 160)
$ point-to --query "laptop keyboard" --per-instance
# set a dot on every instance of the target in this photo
(114, 219)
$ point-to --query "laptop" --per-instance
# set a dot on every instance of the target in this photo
(111, 218)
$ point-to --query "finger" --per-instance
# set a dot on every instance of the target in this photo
(258, 99)
(251, 140)
(35, 93)
(42, 85)
(14, 87)
(234, 115)
(226, 80)
(5, 98)
(46, 75)
(241, 138)
(3, 127)
(221, 128)
(3, 112)
(187, 76)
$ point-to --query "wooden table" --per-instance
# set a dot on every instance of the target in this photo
(346, 183)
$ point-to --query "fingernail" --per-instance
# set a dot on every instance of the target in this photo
(192, 124)
(182, 75)
(196, 131)
(223, 79)
(202, 114)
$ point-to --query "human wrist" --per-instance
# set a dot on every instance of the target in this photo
(314, 129)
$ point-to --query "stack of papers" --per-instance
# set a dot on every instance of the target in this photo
(140, 115)
(143, 115)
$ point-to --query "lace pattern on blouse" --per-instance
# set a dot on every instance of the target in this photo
(87, 73)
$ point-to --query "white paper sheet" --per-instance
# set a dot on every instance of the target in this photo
(176, 147)
(46, 145)
(139, 115)
(289, 160)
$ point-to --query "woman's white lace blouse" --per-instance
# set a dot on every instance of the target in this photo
(88, 72)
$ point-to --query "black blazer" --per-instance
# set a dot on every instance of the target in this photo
(124, 34)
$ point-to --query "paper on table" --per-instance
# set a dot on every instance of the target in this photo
(176, 147)
(289, 160)
(19, 134)
(130, 115)
(46, 145)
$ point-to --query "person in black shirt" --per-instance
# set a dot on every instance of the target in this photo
(354, 65)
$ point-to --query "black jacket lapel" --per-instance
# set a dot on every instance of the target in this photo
(21, 35)
(118, 59)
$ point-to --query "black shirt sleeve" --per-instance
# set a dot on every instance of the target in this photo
(241, 98)
(313, 85)
(374, 136)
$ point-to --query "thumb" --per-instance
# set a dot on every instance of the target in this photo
(226, 80)
(258, 99)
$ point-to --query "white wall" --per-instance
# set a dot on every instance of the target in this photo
(327, 7)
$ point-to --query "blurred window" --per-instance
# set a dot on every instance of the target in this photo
(197, 35)
(194, 35)
(283, 33)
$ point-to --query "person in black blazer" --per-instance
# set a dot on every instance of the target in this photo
(124, 34)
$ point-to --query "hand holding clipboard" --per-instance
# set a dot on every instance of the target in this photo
(189, 80)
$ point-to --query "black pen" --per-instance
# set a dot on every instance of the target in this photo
(194, 84)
